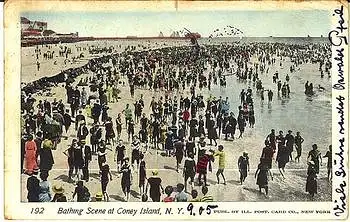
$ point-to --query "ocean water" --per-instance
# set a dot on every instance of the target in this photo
(285, 40)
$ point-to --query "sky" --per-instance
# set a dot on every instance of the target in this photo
(141, 23)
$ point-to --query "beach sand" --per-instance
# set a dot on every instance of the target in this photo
(290, 189)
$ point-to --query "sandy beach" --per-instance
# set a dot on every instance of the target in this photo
(293, 113)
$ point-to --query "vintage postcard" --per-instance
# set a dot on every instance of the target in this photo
(176, 110)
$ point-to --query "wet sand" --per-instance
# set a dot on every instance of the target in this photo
(283, 114)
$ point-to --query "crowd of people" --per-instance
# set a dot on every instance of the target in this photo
(181, 122)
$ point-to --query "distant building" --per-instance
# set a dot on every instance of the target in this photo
(27, 24)
(68, 35)
(38, 29)
(48, 33)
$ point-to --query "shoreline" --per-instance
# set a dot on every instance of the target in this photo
(251, 142)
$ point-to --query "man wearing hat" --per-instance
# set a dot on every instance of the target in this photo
(98, 197)
(58, 117)
(59, 194)
(290, 143)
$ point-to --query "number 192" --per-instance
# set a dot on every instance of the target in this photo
(37, 210)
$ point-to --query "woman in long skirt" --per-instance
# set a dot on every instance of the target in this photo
(110, 135)
(105, 177)
(142, 174)
(126, 178)
(311, 182)
(212, 134)
(262, 176)
(30, 156)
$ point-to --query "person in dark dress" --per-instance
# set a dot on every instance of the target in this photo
(38, 141)
(46, 158)
(67, 120)
(156, 130)
(119, 124)
(298, 140)
(95, 137)
(126, 178)
(110, 135)
(142, 174)
(78, 160)
(315, 156)
(251, 118)
(193, 127)
(201, 130)
(96, 112)
(131, 129)
(169, 146)
(104, 115)
(155, 184)
(106, 175)
(290, 143)
(241, 125)
(212, 134)
(119, 154)
(243, 166)
(282, 158)
(82, 192)
(262, 176)
(179, 153)
(78, 119)
(70, 155)
(87, 159)
(82, 131)
(280, 139)
(311, 182)
(329, 162)
(267, 154)
(219, 120)
(33, 188)
(189, 170)
(135, 154)
(190, 147)
(271, 138)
